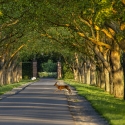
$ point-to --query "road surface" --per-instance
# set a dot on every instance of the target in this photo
(37, 104)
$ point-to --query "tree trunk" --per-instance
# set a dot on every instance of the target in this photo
(88, 72)
(93, 74)
(1, 71)
(107, 82)
(79, 74)
(106, 73)
(8, 75)
(123, 58)
(107, 66)
(102, 76)
(83, 74)
(1, 77)
(98, 82)
(75, 71)
(20, 71)
(118, 83)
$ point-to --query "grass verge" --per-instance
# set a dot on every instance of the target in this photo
(113, 109)
(9, 87)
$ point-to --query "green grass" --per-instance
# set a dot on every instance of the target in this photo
(9, 87)
(113, 109)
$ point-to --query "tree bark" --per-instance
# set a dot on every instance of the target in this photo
(118, 82)
(88, 72)
(123, 64)
(75, 71)
(93, 74)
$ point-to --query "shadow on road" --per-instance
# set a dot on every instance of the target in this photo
(37, 104)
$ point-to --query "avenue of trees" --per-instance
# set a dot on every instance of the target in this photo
(88, 34)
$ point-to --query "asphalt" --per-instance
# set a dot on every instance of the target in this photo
(37, 103)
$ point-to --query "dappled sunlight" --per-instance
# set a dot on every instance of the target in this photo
(18, 120)
(36, 105)
(107, 105)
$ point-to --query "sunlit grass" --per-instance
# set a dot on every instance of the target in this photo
(113, 109)
(9, 87)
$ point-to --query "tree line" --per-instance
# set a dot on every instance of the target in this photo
(88, 34)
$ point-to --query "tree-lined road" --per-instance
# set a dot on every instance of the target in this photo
(37, 104)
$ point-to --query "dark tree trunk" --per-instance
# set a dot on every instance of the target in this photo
(117, 73)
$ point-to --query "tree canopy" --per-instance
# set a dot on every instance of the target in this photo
(81, 31)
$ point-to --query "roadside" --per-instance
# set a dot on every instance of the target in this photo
(72, 106)
(15, 90)
(35, 104)
(82, 111)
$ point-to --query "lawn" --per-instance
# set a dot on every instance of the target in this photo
(113, 109)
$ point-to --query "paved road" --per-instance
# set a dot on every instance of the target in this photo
(37, 104)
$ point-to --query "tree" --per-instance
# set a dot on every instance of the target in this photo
(92, 31)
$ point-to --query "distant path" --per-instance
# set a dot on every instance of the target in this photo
(37, 104)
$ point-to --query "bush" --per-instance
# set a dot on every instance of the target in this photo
(26, 77)
(67, 73)
(49, 66)
(48, 74)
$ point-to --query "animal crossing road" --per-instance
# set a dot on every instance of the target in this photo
(37, 104)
